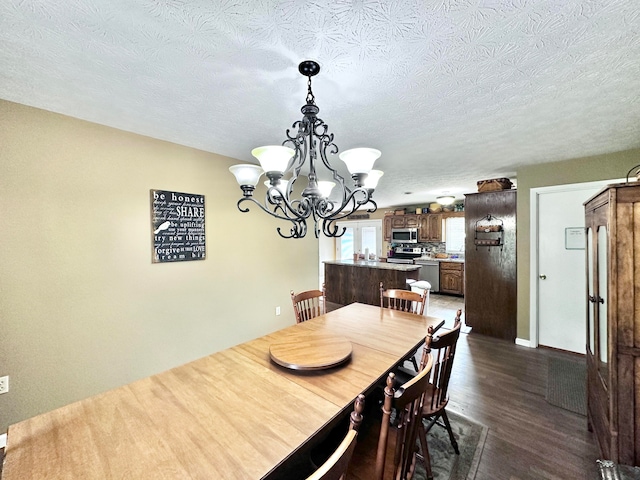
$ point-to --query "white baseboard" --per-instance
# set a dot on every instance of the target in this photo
(3, 440)
(523, 343)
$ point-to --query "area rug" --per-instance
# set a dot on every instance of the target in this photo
(567, 385)
(445, 464)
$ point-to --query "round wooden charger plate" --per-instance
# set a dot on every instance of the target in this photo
(311, 352)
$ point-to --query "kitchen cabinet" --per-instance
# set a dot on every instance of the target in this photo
(452, 278)
(386, 227)
(612, 223)
(404, 221)
(430, 229)
(429, 225)
(398, 221)
(490, 288)
(347, 281)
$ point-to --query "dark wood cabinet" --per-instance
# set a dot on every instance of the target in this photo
(398, 221)
(612, 221)
(430, 229)
(404, 221)
(490, 271)
(387, 222)
(411, 221)
(452, 278)
(430, 225)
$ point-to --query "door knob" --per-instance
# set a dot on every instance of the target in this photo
(543, 277)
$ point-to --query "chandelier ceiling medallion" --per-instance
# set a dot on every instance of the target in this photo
(309, 141)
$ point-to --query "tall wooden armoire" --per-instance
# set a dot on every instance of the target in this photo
(490, 263)
(612, 221)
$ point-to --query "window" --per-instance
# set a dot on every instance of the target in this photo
(358, 237)
(454, 235)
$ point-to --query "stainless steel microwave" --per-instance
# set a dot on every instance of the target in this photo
(404, 235)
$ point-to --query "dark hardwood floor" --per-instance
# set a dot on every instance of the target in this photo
(503, 385)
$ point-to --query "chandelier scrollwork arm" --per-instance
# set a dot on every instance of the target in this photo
(309, 143)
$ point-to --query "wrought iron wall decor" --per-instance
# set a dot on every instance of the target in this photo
(489, 232)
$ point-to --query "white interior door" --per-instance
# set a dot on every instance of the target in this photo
(560, 273)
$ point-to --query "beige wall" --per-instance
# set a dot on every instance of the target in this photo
(600, 167)
(82, 308)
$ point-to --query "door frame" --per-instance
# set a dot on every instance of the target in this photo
(370, 222)
(534, 193)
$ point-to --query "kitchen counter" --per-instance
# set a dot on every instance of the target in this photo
(347, 281)
(402, 267)
(432, 259)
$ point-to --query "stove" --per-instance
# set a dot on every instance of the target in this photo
(399, 260)
(404, 254)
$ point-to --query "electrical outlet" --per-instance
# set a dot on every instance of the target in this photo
(277, 310)
(4, 384)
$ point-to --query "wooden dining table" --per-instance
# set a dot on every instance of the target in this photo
(233, 414)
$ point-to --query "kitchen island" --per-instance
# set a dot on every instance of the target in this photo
(348, 281)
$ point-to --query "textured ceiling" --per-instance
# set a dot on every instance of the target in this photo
(451, 91)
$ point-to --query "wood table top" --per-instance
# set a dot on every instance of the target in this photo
(232, 414)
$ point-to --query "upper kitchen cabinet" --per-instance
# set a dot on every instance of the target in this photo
(404, 221)
(386, 227)
(398, 221)
(430, 229)
(490, 271)
(612, 221)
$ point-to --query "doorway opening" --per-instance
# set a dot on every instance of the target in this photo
(556, 312)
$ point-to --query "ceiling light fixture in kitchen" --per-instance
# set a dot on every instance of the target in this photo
(446, 199)
(310, 141)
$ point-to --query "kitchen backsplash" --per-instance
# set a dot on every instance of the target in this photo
(433, 247)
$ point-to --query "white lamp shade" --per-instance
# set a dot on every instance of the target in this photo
(371, 181)
(246, 174)
(273, 158)
(281, 187)
(325, 188)
(360, 160)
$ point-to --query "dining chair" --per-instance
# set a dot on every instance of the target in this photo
(407, 301)
(397, 448)
(337, 464)
(308, 304)
(442, 348)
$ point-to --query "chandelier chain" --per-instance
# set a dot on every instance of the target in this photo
(311, 100)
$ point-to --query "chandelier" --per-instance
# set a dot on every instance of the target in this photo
(309, 142)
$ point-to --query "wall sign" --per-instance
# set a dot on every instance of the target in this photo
(177, 222)
(574, 238)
